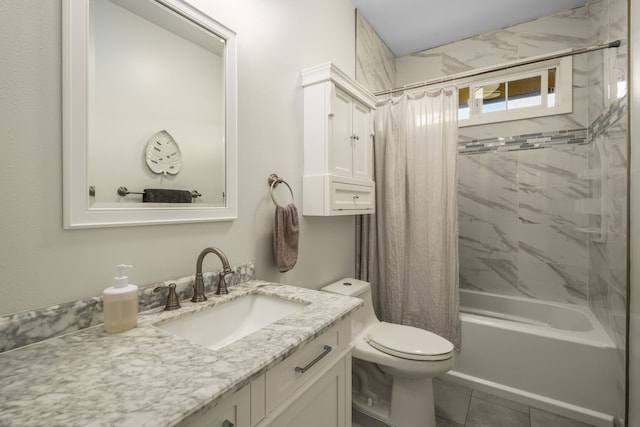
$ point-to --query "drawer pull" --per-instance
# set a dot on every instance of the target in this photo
(227, 423)
(326, 351)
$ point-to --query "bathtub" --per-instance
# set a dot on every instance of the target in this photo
(547, 355)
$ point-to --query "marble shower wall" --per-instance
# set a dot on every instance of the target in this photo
(518, 221)
(608, 113)
(375, 63)
(519, 227)
(607, 79)
(545, 35)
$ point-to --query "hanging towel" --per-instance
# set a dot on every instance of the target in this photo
(285, 237)
(163, 195)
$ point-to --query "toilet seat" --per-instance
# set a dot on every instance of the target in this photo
(408, 342)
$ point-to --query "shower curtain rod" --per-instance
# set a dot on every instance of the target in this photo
(474, 73)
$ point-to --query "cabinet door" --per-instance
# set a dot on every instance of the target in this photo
(362, 143)
(341, 134)
(324, 404)
(233, 411)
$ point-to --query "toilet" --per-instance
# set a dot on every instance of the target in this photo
(393, 364)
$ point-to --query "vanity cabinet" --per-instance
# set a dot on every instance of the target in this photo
(338, 144)
(233, 411)
(324, 403)
(311, 387)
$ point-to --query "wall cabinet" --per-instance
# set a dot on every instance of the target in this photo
(312, 387)
(338, 144)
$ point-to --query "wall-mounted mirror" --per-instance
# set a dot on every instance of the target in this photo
(149, 114)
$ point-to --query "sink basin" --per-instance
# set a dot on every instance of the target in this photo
(227, 322)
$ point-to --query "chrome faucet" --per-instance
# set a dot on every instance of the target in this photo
(198, 286)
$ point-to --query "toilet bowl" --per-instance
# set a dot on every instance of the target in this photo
(410, 356)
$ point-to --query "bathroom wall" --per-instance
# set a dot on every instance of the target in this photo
(375, 63)
(42, 264)
(517, 217)
(520, 230)
(609, 122)
(548, 34)
(518, 223)
(608, 119)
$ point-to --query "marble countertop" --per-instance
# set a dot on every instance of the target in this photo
(147, 376)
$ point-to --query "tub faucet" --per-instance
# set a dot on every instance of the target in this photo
(198, 286)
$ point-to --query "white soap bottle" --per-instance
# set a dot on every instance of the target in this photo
(120, 303)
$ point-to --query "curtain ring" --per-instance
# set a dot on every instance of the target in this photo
(275, 180)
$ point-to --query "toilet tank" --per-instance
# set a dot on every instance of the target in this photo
(363, 318)
(349, 287)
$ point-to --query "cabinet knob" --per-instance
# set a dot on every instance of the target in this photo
(356, 197)
(227, 423)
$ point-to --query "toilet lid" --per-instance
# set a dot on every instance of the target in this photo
(409, 342)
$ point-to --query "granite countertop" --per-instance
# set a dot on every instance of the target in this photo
(147, 376)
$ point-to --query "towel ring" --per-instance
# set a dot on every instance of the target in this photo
(274, 180)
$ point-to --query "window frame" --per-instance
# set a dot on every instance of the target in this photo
(563, 92)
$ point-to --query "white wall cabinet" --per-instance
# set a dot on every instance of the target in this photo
(338, 144)
(312, 387)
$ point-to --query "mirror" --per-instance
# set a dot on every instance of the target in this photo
(149, 106)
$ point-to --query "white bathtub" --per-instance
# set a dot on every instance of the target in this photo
(547, 355)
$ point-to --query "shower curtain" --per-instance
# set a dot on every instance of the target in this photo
(409, 247)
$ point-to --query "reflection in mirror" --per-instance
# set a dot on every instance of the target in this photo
(150, 105)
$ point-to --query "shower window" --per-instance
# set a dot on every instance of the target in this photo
(524, 92)
(463, 103)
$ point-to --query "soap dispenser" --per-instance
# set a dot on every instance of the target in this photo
(120, 303)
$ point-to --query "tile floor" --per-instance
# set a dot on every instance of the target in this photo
(458, 406)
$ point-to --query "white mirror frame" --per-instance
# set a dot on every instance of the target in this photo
(77, 212)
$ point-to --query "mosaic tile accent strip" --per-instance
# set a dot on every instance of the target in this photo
(608, 118)
(524, 142)
(529, 141)
(28, 327)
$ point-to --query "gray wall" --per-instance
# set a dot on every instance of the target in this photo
(43, 264)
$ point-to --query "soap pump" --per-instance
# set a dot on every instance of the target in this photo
(120, 303)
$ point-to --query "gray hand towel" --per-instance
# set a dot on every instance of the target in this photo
(285, 237)
(163, 195)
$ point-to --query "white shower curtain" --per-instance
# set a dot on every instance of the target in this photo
(411, 258)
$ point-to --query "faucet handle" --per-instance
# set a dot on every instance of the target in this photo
(222, 284)
(172, 298)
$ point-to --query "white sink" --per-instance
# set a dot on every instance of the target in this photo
(227, 322)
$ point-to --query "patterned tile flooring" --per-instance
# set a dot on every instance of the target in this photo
(462, 407)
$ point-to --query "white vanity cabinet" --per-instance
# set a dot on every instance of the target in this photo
(338, 144)
(323, 403)
(233, 411)
(311, 387)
